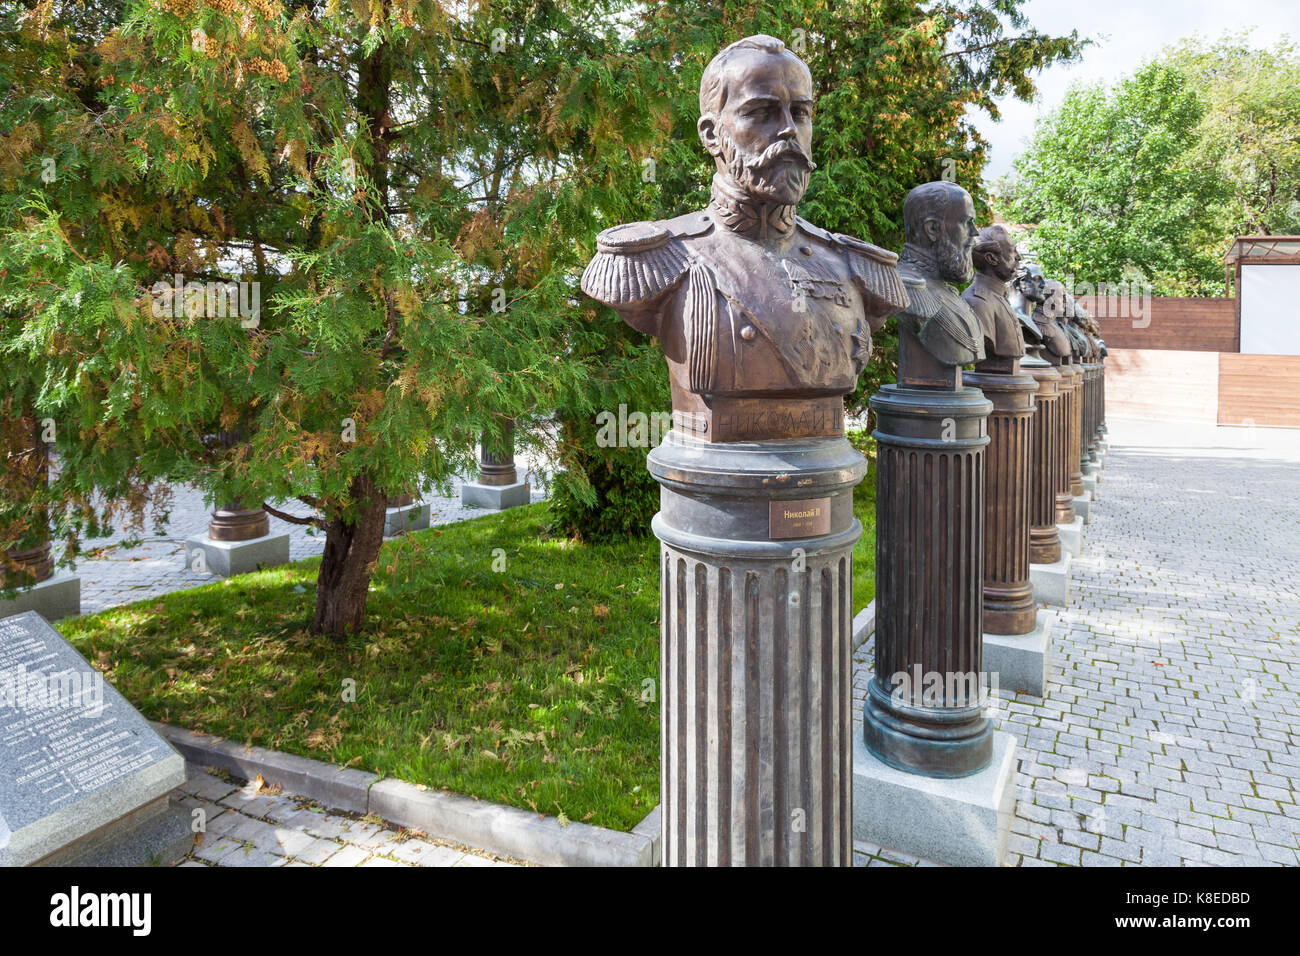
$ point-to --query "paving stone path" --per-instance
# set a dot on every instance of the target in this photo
(247, 827)
(117, 570)
(1170, 733)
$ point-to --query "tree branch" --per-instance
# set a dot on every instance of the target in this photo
(294, 519)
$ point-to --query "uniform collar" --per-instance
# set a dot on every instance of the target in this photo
(747, 216)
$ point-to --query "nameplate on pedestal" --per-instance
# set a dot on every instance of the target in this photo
(799, 519)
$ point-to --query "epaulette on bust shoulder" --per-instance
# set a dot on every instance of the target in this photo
(921, 302)
(874, 271)
(640, 261)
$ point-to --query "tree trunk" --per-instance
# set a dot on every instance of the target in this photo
(351, 551)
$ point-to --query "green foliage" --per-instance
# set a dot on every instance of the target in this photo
(623, 497)
(1153, 177)
(1250, 133)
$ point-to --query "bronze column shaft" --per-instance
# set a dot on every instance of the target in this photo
(1009, 606)
(1064, 441)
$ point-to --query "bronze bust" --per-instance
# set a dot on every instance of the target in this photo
(765, 319)
(1057, 347)
(937, 331)
(996, 262)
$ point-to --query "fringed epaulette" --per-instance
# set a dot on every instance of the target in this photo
(875, 273)
(921, 302)
(635, 263)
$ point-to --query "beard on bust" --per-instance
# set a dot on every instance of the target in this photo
(953, 261)
(779, 174)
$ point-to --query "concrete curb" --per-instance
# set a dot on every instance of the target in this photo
(864, 625)
(446, 816)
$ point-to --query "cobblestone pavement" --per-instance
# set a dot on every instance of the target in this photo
(1169, 733)
(117, 573)
(245, 827)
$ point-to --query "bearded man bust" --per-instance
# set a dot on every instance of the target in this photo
(765, 319)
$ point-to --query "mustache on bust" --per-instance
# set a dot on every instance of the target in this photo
(778, 152)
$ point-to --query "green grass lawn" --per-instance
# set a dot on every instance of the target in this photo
(523, 686)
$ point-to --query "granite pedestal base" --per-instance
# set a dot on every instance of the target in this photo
(1090, 483)
(494, 497)
(1072, 536)
(53, 598)
(406, 518)
(228, 558)
(964, 821)
(157, 834)
(1051, 582)
(1021, 661)
(1083, 507)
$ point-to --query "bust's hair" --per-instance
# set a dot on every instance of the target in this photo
(991, 239)
(713, 86)
(929, 199)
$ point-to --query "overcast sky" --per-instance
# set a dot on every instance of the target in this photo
(1127, 32)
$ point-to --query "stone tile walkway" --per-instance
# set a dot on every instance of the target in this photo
(245, 827)
(1170, 733)
(115, 572)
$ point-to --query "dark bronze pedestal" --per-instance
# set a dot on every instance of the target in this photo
(1044, 537)
(234, 522)
(497, 460)
(929, 573)
(1009, 606)
(1064, 443)
(1076, 434)
(756, 616)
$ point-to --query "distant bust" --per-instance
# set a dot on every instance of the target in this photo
(1057, 347)
(764, 318)
(938, 332)
(996, 261)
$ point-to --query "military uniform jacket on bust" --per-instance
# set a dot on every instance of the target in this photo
(999, 322)
(741, 318)
(942, 323)
(1056, 343)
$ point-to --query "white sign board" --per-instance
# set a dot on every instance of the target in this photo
(1270, 309)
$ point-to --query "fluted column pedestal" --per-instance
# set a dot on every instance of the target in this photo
(1008, 596)
(1064, 442)
(1076, 433)
(923, 712)
(498, 486)
(757, 605)
(1044, 538)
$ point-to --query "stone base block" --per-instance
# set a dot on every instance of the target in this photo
(964, 821)
(1051, 582)
(157, 834)
(1090, 483)
(494, 497)
(406, 518)
(53, 598)
(1072, 536)
(864, 625)
(1083, 507)
(227, 558)
(1021, 661)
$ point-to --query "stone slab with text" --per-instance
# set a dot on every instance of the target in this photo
(84, 779)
